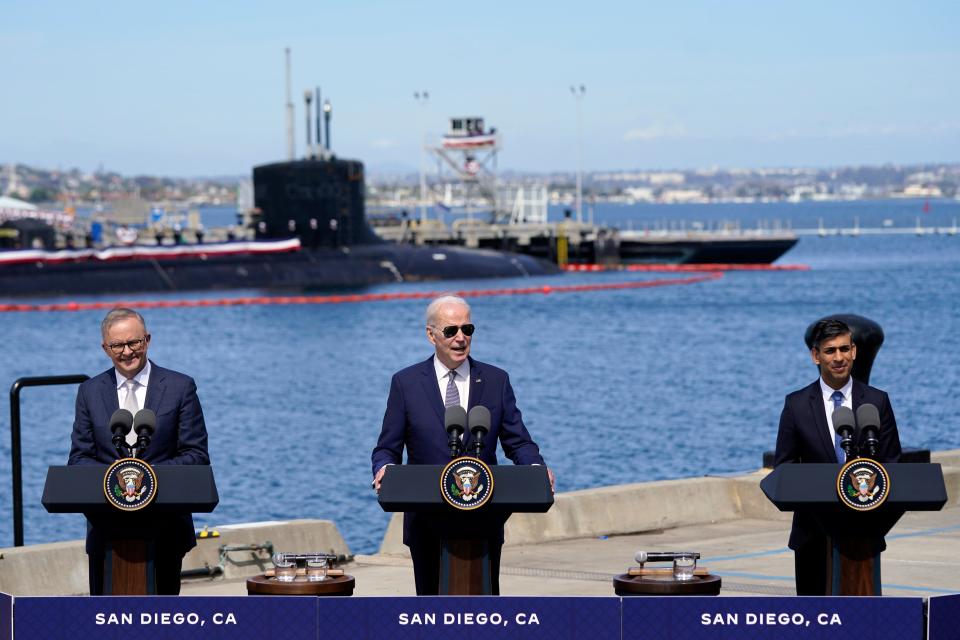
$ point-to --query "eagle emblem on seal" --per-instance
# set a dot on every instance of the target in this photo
(131, 481)
(467, 482)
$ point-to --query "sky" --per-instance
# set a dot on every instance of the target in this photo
(198, 89)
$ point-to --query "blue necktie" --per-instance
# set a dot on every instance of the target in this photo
(837, 398)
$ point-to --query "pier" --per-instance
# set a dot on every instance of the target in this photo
(575, 549)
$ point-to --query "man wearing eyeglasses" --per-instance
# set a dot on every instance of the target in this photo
(806, 434)
(414, 419)
(134, 383)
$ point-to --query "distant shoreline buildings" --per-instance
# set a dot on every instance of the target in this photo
(77, 188)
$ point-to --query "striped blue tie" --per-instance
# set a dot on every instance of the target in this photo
(453, 394)
(837, 398)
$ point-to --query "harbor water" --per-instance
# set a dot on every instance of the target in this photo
(616, 386)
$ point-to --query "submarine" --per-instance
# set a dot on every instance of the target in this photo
(310, 234)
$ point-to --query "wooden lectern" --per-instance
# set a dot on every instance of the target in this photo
(465, 567)
(128, 551)
(853, 566)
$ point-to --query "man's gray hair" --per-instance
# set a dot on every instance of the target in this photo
(435, 305)
(116, 315)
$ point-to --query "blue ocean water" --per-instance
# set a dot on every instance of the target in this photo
(616, 386)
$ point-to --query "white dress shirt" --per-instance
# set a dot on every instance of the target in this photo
(141, 389)
(462, 380)
(846, 390)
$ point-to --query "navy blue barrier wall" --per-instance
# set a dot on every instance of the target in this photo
(477, 618)
(772, 618)
(6, 616)
(944, 618)
(473, 618)
(159, 617)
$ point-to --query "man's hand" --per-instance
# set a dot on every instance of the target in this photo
(377, 478)
(553, 480)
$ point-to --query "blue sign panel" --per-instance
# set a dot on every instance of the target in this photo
(476, 618)
(944, 618)
(689, 618)
(6, 617)
(184, 618)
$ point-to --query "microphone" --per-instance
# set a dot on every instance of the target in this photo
(454, 421)
(868, 417)
(120, 423)
(479, 421)
(662, 556)
(845, 426)
(144, 425)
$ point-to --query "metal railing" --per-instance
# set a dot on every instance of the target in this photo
(15, 454)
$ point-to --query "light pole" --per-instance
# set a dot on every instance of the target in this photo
(422, 97)
(578, 93)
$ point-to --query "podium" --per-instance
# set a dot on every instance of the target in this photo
(465, 567)
(853, 566)
(128, 548)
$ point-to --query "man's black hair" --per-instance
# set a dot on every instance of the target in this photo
(829, 329)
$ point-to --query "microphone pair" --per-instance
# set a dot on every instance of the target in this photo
(662, 556)
(862, 429)
(144, 424)
(456, 419)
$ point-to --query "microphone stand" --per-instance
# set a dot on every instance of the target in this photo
(477, 447)
(454, 443)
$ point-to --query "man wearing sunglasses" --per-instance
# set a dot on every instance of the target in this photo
(134, 383)
(414, 420)
(806, 434)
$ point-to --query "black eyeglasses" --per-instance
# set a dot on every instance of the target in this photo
(450, 331)
(134, 345)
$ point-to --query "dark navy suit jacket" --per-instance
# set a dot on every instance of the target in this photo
(414, 419)
(805, 437)
(180, 437)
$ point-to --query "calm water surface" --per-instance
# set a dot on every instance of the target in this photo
(618, 386)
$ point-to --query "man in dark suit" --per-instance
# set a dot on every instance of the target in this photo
(806, 434)
(414, 419)
(180, 438)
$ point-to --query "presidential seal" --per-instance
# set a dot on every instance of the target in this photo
(863, 484)
(130, 484)
(466, 483)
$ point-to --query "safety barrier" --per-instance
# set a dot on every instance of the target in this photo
(354, 298)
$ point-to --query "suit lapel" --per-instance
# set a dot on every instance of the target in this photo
(108, 392)
(476, 382)
(820, 417)
(431, 389)
(155, 388)
(859, 391)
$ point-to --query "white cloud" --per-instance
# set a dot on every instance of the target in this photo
(383, 143)
(655, 131)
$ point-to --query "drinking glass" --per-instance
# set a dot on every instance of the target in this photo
(683, 566)
(285, 567)
(316, 568)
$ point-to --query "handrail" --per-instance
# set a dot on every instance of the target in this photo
(15, 454)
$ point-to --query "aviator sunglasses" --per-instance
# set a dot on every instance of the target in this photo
(451, 330)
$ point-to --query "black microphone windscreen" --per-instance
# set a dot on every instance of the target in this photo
(145, 420)
(455, 416)
(843, 419)
(479, 418)
(868, 416)
(121, 421)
